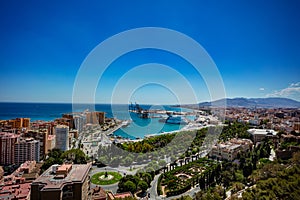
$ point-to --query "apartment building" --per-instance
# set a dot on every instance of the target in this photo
(62, 137)
(27, 149)
(7, 148)
(62, 182)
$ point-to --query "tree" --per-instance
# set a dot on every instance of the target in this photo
(276, 181)
(77, 156)
(115, 162)
(247, 170)
(140, 158)
(162, 163)
(185, 198)
(143, 185)
(296, 158)
(172, 183)
(130, 186)
(127, 161)
(226, 178)
(54, 157)
(237, 187)
(55, 153)
(147, 177)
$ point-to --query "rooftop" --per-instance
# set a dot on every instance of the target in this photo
(17, 191)
(98, 193)
(77, 173)
(262, 131)
(8, 135)
(123, 195)
(61, 126)
(119, 195)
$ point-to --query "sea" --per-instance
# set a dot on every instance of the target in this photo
(138, 127)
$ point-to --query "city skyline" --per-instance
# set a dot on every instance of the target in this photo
(254, 45)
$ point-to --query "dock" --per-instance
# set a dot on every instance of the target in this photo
(147, 113)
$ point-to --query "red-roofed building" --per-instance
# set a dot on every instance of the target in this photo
(111, 196)
(16, 191)
(16, 186)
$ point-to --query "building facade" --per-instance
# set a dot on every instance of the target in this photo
(230, 149)
(259, 134)
(65, 182)
(95, 117)
(7, 148)
(41, 135)
(27, 150)
(62, 137)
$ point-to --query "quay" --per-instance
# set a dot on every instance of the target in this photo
(154, 113)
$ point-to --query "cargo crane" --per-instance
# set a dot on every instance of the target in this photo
(142, 113)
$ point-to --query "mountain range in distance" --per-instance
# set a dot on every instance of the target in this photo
(271, 102)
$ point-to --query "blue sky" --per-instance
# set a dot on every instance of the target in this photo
(254, 44)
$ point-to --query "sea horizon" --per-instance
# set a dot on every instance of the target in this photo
(51, 111)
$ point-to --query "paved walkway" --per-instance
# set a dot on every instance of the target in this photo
(153, 188)
(103, 140)
(122, 170)
(155, 196)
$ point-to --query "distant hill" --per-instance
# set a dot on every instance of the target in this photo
(272, 102)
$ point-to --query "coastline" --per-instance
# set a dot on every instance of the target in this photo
(191, 125)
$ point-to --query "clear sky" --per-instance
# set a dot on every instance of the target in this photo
(255, 45)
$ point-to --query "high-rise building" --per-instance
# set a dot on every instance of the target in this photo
(69, 118)
(37, 125)
(50, 143)
(90, 118)
(18, 123)
(95, 117)
(41, 135)
(100, 117)
(12, 123)
(79, 122)
(7, 148)
(65, 182)
(62, 137)
(27, 149)
(26, 122)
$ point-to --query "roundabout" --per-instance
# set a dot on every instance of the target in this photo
(106, 178)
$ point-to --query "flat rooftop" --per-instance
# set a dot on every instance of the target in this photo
(77, 174)
(262, 131)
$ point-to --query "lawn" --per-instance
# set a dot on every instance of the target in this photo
(96, 180)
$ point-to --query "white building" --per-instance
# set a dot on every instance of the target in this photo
(62, 137)
(259, 134)
(79, 122)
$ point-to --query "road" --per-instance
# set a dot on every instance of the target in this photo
(103, 140)
(155, 196)
(153, 188)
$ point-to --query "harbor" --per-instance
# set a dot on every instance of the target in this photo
(142, 122)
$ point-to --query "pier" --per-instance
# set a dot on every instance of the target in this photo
(147, 113)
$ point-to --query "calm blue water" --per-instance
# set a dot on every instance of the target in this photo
(50, 111)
